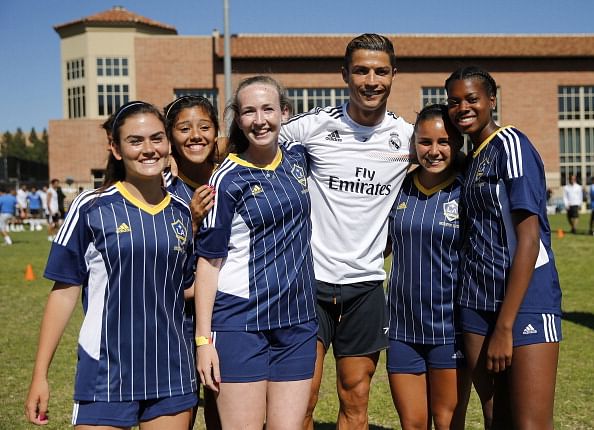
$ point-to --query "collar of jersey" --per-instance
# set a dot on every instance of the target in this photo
(153, 210)
(355, 124)
(487, 140)
(273, 164)
(188, 180)
(438, 187)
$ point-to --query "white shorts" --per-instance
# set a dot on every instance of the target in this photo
(4, 221)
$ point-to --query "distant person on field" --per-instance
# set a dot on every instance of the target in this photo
(8, 204)
(43, 195)
(591, 193)
(21, 197)
(61, 199)
(573, 197)
(35, 208)
(53, 209)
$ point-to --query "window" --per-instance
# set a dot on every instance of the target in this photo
(576, 132)
(112, 66)
(76, 102)
(433, 95)
(306, 99)
(210, 94)
(75, 69)
(97, 177)
(111, 97)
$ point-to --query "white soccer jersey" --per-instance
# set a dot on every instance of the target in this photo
(132, 263)
(355, 174)
(53, 202)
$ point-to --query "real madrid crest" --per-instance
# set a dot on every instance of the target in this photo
(450, 210)
(394, 140)
(299, 173)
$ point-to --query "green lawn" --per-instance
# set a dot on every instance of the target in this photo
(23, 301)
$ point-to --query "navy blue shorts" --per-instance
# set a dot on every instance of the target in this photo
(408, 357)
(127, 414)
(529, 328)
(283, 354)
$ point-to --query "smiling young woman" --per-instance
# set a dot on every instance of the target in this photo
(510, 302)
(127, 246)
(255, 295)
(425, 362)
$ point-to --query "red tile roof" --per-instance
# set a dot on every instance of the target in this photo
(117, 15)
(414, 46)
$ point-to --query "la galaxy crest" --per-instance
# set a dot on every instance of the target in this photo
(299, 173)
(181, 235)
(450, 210)
(481, 170)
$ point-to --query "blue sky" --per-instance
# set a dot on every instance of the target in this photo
(30, 69)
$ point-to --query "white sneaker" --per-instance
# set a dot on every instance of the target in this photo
(8, 240)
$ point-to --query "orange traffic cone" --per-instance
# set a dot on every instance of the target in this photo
(29, 275)
(560, 233)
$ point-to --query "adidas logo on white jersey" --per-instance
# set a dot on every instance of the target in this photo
(529, 330)
(334, 136)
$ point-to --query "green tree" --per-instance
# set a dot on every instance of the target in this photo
(16, 147)
(6, 138)
(38, 150)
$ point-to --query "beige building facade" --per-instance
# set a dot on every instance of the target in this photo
(545, 82)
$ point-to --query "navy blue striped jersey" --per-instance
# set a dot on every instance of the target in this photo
(184, 188)
(355, 174)
(132, 262)
(425, 235)
(505, 174)
(180, 186)
(260, 226)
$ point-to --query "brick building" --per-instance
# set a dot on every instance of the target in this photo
(545, 82)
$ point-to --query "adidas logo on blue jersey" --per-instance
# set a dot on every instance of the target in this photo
(529, 330)
(457, 355)
(334, 136)
(256, 189)
(123, 228)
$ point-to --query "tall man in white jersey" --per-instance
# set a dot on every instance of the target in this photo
(359, 154)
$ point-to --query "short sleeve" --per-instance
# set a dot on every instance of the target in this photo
(66, 262)
(298, 129)
(215, 232)
(523, 171)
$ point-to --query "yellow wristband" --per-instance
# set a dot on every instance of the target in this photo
(202, 340)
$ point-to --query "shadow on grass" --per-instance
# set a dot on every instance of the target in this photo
(585, 319)
(332, 426)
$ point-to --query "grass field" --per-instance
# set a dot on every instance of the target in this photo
(23, 301)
